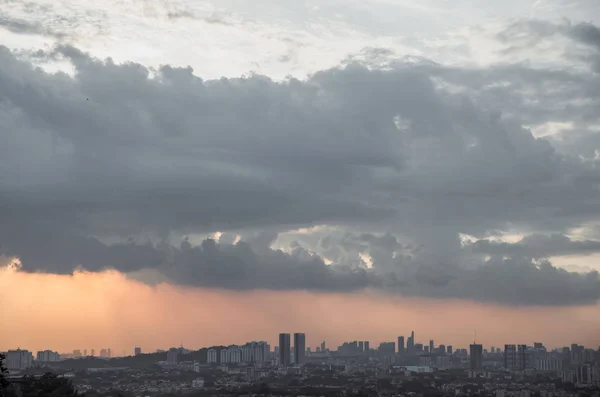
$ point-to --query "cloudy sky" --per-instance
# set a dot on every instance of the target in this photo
(351, 169)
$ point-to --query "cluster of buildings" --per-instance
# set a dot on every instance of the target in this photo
(574, 364)
(250, 352)
(19, 359)
(511, 371)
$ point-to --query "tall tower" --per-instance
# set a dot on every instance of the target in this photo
(401, 345)
(299, 348)
(284, 350)
(510, 357)
(410, 345)
(475, 355)
(431, 346)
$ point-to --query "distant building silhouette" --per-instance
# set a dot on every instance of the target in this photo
(401, 345)
(284, 350)
(299, 348)
(172, 356)
(410, 344)
(476, 356)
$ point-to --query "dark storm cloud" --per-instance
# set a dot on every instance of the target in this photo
(241, 267)
(120, 150)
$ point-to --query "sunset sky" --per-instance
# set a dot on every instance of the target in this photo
(215, 172)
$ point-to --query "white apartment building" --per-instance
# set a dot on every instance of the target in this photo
(548, 364)
(17, 360)
(211, 356)
(48, 356)
(255, 352)
(233, 354)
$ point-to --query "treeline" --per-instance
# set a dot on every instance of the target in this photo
(142, 361)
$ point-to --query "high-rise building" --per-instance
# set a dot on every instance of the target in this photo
(48, 356)
(401, 345)
(476, 356)
(232, 354)
(367, 348)
(109, 353)
(449, 349)
(361, 347)
(17, 360)
(211, 356)
(137, 351)
(84, 352)
(510, 357)
(93, 353)
(284, 350)
(172, 356)
(255, 352)
(387, 349)
(431, 346)
(410, 343)
(418, 348)
(323, 349)
(299, 348)
(522, 357)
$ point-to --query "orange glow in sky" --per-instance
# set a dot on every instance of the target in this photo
(97, 310)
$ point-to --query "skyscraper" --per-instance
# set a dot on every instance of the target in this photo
(323, 349)
(510, 357)
(441, 349)
(367, 348)
(410, 344)
(401, 345)
(137, 351)
(431, 346)
(284, 350)
(476, 356)
(299, 348)
(172, 356)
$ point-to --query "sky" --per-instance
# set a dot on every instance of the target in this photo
(347, 169)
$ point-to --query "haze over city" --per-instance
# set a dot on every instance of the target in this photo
(211, 173)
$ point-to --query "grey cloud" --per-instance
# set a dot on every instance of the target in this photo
(240, 267)
(517, 282)
(24, 27)
(537, 246)
(529, 33)
(120, 150)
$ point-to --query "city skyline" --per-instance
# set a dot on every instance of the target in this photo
(298, 341)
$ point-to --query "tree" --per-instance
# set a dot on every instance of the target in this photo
(46, 385)
(3, 372)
